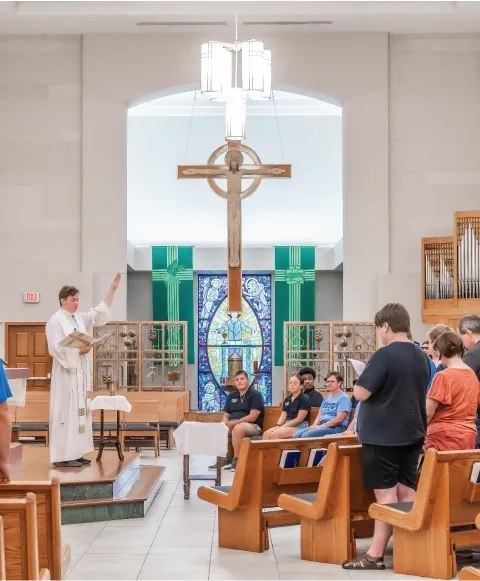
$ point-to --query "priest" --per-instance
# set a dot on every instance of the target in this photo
(70, 418)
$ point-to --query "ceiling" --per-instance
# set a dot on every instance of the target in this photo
(255, 17)
(193, 103)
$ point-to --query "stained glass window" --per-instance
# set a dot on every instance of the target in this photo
(222, 336)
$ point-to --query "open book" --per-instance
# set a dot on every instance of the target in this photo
(77, 340)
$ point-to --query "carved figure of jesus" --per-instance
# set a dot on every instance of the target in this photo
(234, 171)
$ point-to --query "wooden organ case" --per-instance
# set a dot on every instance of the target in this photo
(451, 272)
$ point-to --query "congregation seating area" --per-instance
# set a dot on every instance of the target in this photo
(333, 509)
(30, 531)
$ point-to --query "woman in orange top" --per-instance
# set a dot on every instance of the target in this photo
(452, 399)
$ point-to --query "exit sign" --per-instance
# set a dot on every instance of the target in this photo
(31, 297)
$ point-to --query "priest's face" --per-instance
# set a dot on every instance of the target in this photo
(70, 304)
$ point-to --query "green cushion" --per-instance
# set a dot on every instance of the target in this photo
(139, 428)
(33, 427)
(106, 427)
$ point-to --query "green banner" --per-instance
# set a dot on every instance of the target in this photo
(294, 292)
(172, 291)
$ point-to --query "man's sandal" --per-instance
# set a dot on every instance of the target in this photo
(365, 562)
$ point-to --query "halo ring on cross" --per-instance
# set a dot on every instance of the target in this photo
(224, 149)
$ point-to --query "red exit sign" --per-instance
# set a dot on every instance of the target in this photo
(31, 297)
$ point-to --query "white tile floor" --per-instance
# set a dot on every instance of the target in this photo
(178, 539)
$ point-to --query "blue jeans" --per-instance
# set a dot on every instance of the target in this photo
(300, 428)
(318, 432)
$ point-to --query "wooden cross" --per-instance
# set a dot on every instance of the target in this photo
(234, 171)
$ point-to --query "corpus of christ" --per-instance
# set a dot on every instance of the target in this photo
(282, 385)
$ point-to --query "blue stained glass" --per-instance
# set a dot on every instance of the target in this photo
(221, 336)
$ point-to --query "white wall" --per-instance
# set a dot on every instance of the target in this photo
(434, 152)
(411, 150)
(41, 241)
(165, 210)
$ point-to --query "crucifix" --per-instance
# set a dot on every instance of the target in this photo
(234, 171)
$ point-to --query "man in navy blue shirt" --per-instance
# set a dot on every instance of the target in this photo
(309, 390)
(5, 426)
(243, 413)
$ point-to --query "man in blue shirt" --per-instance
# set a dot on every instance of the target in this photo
(5, 426)
(433, 368)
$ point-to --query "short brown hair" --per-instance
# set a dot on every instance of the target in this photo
(338, 376)
(67, 291)
(241, 372)
(396, 316)
(438, 330)
(449, 344)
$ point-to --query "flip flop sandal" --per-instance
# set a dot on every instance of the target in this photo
(366, 562)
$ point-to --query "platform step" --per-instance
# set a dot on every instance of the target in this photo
(132, 501)
(16, 452)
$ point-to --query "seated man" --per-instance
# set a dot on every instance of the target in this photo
(243, 415)
(309, 390)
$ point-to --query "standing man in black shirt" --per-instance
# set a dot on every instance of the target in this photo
(469, 331)
(243, 413)
(309, 390)
(392, 422)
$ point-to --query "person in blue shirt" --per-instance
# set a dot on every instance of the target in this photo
(5, 426)
(334, 411)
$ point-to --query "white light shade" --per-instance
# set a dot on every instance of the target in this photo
(236, 112)
(216, 69)
(253, 67)
(266, 94)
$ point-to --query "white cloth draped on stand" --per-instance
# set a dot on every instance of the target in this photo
(70, 418)
(204, 439)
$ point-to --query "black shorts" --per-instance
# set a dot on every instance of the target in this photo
(386, 466)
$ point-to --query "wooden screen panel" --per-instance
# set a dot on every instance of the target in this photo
(27, 347)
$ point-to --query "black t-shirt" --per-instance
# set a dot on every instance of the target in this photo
(472, 359)
(395, 414)
(239, 407)
(314, 396)
(292, 407)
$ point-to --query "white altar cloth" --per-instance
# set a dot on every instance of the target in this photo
(204, 439)
(111, 402)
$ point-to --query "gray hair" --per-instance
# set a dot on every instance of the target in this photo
(469, 323)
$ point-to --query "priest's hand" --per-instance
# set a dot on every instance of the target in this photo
(116, 282)
(85, 350)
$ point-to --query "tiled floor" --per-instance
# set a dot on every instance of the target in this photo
(178, 540)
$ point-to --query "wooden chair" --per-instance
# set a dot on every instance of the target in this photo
(20, 538)
(427, 532)
(141, 425)
(331, 518)
(52, 554)
(258, 483)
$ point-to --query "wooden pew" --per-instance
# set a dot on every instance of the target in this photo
(257, 484)
(142, 423)
(20, 536)
(424, 542)
(471, 573)
(337, 513)
(52, 554)
(34, 417)
(3, 574)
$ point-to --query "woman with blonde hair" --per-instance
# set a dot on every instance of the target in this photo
(452, 399)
